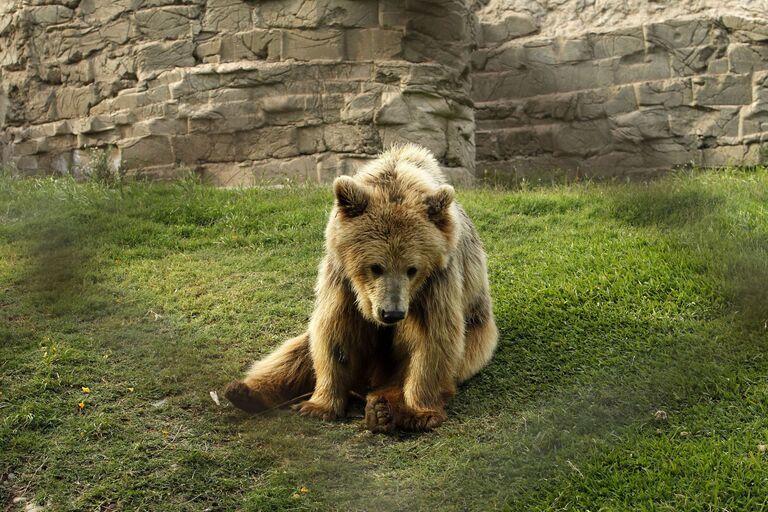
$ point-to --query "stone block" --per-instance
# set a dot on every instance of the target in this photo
(360, 108)
(698, 60)
(706, 124)
(146, 151)
(49, 14)
(640, 68)
(760, 87)
(581, 138)
(394, 109)
(487, 145)
(392, 14)
(679, 33)
(318, 13)
(583, 75)
(161, 56)
(74, 102)
(309, 140)
(373, 44)
(302, 169)
(754, 120)
(119, 31)
(460, 138)
(227, 175)
(269, 142)
(529, 140)
(617, 43)
(511, 27)
(439, 20)
(746, 58)
(738, 155)
(503, 59)
(520, 84)
(667, 93)
(168, 22)
(723, 90)
(157, 126)
(98, 12)
(306, 45)
(344, 138)
(746, 30)
(227, 16)
(226, 117)
(639, 126)
(606, 102)
(429, 135)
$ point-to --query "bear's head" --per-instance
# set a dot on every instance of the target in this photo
(389, 240)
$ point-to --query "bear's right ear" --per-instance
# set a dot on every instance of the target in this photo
(351, 198)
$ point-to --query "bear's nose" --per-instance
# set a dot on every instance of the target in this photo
(391, 317)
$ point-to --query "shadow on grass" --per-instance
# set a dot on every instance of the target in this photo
(525, 444)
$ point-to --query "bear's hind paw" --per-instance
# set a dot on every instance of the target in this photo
(244, 398)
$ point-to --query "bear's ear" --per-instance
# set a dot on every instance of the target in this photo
(351, 198)
(438, 204)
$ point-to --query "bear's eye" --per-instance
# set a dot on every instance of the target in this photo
(377, 270)
(412, 272)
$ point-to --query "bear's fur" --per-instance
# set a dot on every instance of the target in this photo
(403, 310)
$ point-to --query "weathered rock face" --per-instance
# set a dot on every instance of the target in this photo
(240, 90)
(596, 88)
(247, 90)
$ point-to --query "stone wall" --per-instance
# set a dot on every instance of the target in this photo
(239, 90)
(631, 100)
(250, 90)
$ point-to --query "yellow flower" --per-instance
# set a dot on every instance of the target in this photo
(86, 390)
(81, 405)
(130, 389)
(303, 489)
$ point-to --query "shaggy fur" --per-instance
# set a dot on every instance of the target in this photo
(403, 309)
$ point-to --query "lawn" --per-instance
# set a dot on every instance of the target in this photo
(632, 371)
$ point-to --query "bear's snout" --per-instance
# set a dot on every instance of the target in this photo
(391, 316)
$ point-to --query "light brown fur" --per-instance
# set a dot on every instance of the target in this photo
(397, 244)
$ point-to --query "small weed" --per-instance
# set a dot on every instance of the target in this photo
(102, 170)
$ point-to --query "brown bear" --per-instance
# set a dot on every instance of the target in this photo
(403, 309)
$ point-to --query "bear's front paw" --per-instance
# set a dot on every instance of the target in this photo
(314, 410)
(244, 397)
(379, 417)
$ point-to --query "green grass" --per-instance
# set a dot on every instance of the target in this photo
(613, 302)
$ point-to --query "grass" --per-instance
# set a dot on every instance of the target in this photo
(613, 302)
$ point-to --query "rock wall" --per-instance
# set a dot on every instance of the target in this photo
(243, 91)
(239, 90)
(599, 89)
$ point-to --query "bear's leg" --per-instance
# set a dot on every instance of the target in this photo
(386, 410)
(340, 342)
(481, 339)
(335, 367)
(284, 374)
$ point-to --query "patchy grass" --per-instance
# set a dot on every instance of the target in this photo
(613, 302)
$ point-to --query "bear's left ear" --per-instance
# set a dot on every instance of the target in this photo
(438, 204)
(351, 197)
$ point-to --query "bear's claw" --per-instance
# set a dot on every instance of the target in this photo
(311, 409)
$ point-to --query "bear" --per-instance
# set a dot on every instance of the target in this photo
(403, 308)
